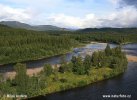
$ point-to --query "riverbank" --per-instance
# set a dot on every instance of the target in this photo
(37, 58)
(70, 81)
(45, 57)
(131, 58)
(76, 81)
(32, 71)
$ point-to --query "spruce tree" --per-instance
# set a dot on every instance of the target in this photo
(21, 78)
(74, 60)
(80, 69)
(87, 63)
(108, 50)
(94, 59)
(48, 70)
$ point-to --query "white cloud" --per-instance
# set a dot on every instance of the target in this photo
(9, 13)
(125, 17)
(114, 2)
(73, 22)
(65, 20)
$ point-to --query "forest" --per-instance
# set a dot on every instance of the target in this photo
(79, 72)
(18, 45)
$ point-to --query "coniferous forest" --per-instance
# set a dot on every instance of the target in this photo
(20, 45)
(17, 45)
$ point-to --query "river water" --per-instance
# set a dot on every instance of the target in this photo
(124, 84)
(56, 59)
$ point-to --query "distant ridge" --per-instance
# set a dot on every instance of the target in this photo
(109, 30)
(16, 24)
(1, 25)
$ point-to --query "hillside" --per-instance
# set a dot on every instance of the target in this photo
(16, 24)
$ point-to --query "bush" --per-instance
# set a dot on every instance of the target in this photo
(82, 83)
(47, 70)
(63, 80)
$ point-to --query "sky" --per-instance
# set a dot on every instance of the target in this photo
(71, 13)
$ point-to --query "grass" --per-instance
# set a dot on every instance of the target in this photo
(72, 81)
(64, 81)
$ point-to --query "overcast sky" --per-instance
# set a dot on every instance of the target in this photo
(71, 13)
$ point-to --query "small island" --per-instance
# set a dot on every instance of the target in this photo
(79, 72)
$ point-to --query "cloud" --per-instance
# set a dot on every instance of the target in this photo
(9, 13)
(114, 2)
(125, 17)
(129, 2)
(74, 22)
(65, 20)
(54, 15)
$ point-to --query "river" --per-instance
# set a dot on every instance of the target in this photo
(124, 84)
(55, 59)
